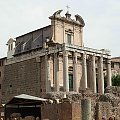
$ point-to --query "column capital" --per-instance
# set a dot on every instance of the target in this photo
(100, 59)
(65, 53)
(108, 61)
(75, 57)
(84, 56)
(75, 53)
(56, 55)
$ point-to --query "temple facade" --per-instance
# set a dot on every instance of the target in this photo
(53, 59)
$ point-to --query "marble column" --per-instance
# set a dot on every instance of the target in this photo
(93, 74)
(47, 71)
(84, 71)
(75, 79)
(56, 71)
(100, 76)
(109, 73)
(65, 71)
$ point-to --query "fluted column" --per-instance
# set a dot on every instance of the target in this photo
(56, 72)
(93, 73)
(100, 76)
(75, 79)
(84, 73)
(65, 71)
(109, 73)
(47, 71)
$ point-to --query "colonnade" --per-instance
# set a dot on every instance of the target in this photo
(96, 70)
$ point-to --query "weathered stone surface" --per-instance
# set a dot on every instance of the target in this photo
(86, 109)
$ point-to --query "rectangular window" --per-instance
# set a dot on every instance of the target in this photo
(69, 38)
(0, 74)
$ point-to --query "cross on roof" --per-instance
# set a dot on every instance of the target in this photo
(67, 8)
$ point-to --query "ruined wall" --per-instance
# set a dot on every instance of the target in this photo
(62, 111)
(103, 110)
(24, 77)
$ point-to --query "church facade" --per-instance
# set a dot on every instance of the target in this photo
(53, 59)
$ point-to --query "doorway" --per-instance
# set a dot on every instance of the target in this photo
(70, 82)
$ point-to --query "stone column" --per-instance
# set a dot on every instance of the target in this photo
(86, 109)
(109, 73)
(65, 71)
(93, 74)
(56, 71)
(100, 76)
(75, 79)
(47, 70)
(84, 71)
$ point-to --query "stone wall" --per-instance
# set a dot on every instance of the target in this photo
(106, 105)
(62, 111)
(2, 67)
(103, 110)
(24, 77)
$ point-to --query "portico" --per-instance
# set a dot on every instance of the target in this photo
(75, 56)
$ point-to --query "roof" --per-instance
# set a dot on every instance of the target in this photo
(3, 58)
(25, 96)
(33, 31)
(26, 99)
(115, 59)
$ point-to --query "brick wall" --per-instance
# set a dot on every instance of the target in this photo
(2, 66)
(62, 111)
(24, 77)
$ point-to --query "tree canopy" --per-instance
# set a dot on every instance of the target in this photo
(116, 80)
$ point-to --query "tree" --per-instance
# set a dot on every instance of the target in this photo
(116, 80)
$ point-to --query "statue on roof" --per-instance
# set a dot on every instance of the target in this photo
(80, 20)
(57, 13)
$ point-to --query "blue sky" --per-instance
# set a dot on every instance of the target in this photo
(102, 19)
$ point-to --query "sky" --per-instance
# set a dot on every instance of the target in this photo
(102, 20)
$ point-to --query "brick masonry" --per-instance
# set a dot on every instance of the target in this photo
(62, 111)
(24, 77)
